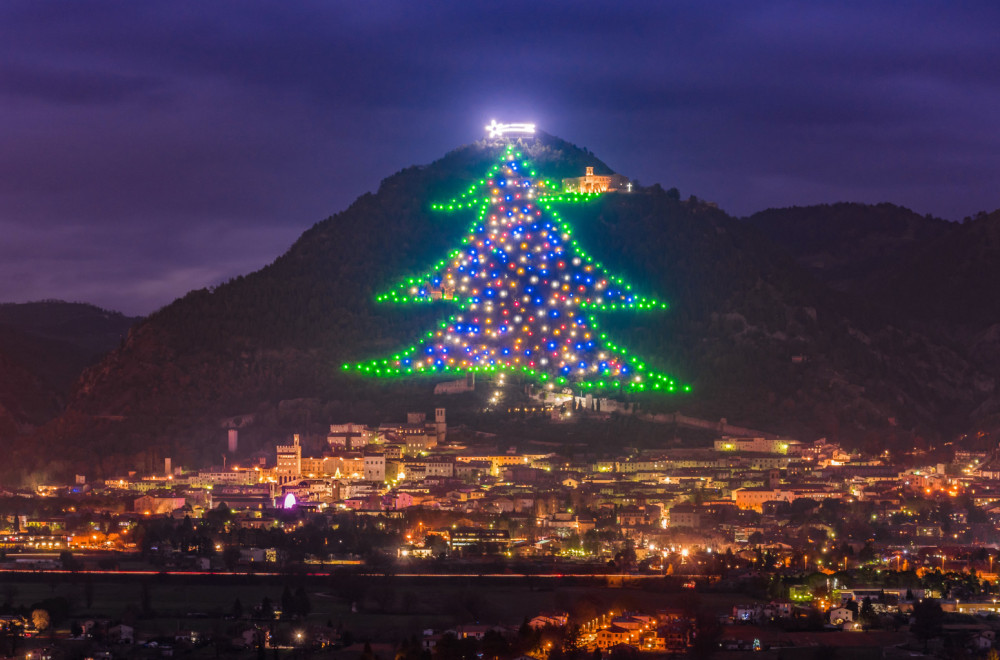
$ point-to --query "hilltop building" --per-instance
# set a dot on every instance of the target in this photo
(467, 384)
(597, 183)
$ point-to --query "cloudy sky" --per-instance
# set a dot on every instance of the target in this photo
(149, 148)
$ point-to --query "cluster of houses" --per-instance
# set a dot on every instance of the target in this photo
(738, 493)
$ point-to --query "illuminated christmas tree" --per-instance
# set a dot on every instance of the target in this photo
(526, 293)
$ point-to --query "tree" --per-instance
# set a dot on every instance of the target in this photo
(218, 517)
(145, 599)
(927, 620)
(410, 650)
(302, 605)
(525, 291)
(494, 645)
(571, 640)
(624, 652)
(353, 589)
(449, 647)
(40, 619)
(527, 639)
(231, 558)
(88, 592)
(706, 637)
(867, 615)
(10, 639)
(267, 608)
(69, 563)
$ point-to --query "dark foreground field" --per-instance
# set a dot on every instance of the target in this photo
(377, 608)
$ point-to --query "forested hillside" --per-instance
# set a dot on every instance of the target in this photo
(44, 347)
(761, 339)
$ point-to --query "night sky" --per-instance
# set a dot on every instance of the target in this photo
(151, 148)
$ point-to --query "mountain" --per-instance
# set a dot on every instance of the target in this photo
(44, 347)
(762, 338)
(951, 280)
(931, 276)
(925, 270)
(849, 245)
(83, 325)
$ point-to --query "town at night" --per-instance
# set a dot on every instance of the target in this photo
(323, 335)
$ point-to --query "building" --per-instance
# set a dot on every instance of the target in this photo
(345, 466)
(759, 445)
(351, 436)
(439, 467)
(841, 615)
(258, 497)
(157, 505)
(289, 461)
(374, 467)
(440, 425)
(597, 183)
(414, 445)
(755, 497)
(218, 477)
(467, 384)
(613, 636)
(489, 541)
(685, 515)
(545, 619)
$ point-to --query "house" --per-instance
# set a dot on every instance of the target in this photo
(612, 636)
(253, 637)
(474, 630)
(780, 609)
(633, 621)
(685, 515)
(430, 639)
(841, 615)
(671, 638)
(121, 634)
(625, 650)
(984, 640)
(638, 516)
(503, 505)
(554, 619)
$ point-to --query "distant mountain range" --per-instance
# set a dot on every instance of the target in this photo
(868, 324)
(44, 347)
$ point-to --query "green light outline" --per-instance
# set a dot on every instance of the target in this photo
(644, 378)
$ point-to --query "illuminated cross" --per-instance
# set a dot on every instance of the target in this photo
(495, 130)
(629, 186)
